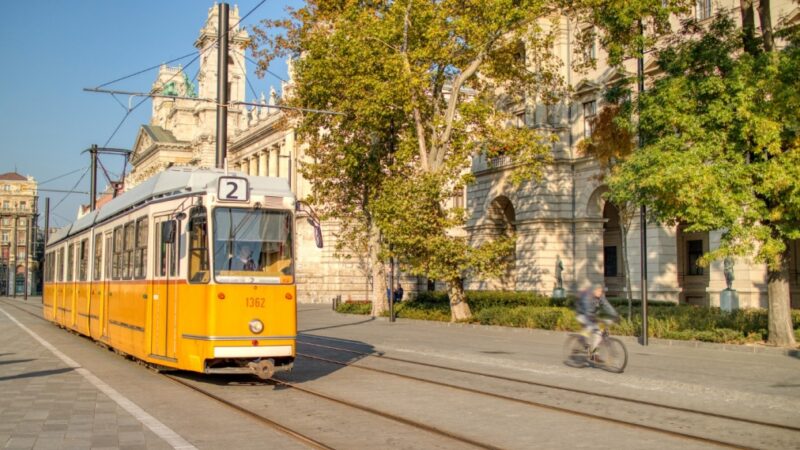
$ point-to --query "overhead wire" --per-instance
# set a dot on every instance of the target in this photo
(71, 189)
(61, 176)
(145, 70)
(216, 41)
(266, 70)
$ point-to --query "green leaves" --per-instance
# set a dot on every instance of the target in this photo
(721, 147)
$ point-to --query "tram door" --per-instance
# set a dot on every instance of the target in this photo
(164, 288)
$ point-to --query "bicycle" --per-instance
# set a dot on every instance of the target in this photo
(610, 354)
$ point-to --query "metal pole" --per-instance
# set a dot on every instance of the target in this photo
(643, 211)
(14, 251)
(222, 86)
(46, 219)
(27, 257)
(93, 182)
(391, 289)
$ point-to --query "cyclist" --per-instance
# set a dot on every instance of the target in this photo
(590, 301)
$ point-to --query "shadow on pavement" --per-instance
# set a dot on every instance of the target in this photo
(15, 361)
(41, 373)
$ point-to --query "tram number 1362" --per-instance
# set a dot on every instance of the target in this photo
(233, 189)
(255, 302)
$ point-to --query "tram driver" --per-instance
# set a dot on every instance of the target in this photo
(244, 259)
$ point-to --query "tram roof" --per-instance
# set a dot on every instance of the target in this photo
(172, 182)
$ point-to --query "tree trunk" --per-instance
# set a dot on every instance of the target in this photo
(765, 16)
(748, 26)
(781, 332)
(380, 303)
(459, 309)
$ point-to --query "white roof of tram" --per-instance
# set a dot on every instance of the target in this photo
(171, 182)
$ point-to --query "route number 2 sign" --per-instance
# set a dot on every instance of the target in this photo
(233, 189)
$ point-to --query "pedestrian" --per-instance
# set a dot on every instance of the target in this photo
(398, 293)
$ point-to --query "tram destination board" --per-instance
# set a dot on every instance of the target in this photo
(233, 189)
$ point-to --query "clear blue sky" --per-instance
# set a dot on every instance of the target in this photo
(51, 50)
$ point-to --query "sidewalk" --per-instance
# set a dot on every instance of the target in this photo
(47, 404)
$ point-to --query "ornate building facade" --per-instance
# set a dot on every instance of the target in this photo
(18, 213)
(566, 217)
(562, 218)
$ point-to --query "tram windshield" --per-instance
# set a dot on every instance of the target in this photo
(252, 246)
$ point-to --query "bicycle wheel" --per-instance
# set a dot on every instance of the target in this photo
(613, 355)
(575, 351)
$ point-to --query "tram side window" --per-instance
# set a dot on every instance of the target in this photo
(116, 268)
(98, 256)
(60, 265)
(83, 259)
(166, 237)
(140, 254)
(70, 261)
(127, 256)
(198, 246)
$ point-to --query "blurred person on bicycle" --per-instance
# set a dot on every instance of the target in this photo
(590, 302)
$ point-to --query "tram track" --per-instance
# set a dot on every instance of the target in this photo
(637, 402)
(463, 440)
(561, 409)
(298, 436)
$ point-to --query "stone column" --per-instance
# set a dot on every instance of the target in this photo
(262, 163)
(273, 162)
(254, 166)
(244, 166)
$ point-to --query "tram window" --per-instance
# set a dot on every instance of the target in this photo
(98, 256)
(166, 248)
(252, 245)
(70, 261)
(127, 256)
(116, 268)
(198, 246)
(140, 254)
(60, 265)
(83, 259)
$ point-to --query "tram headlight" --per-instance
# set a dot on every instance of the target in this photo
(256, 326)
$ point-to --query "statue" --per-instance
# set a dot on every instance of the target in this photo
(728, 271)
(559, 270)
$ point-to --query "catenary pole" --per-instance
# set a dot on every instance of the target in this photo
(222, 86)
(643, 210)
(93, 176)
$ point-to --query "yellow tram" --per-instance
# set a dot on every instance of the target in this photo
(192, 270)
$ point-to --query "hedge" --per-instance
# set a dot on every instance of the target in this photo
(529, 310)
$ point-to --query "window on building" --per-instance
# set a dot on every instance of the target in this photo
(22, 221)
(694, 250)
(704, 9)
(6, 187)
(610, 261)
(70, 261)
(21, 236)
(98, 257)
(519, 54)
(519, 119)
(5, 236)
(590, 51)
(6, 204)
(458, 198)
(129, 242)
(83, 260)
(23, 206)
(6, 221)
(198, 246)
(140, 254)
(5, 255)
(589, 113)
(21, 253)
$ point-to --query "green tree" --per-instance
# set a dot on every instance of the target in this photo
(423, 85)
(722, 150)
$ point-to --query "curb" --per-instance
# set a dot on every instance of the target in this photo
(740, 348)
